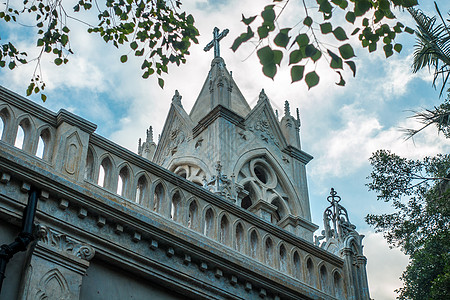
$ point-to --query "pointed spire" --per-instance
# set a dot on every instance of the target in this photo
(149, 134)
(262, 96)
(298, 118)
(276, 113)
(287, 110)
(176, 99)
(140, 147)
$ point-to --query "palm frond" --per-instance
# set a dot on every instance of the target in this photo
(433, 45)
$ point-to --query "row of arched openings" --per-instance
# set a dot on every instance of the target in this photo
(23, 134)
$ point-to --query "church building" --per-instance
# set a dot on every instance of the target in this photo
(217, 209)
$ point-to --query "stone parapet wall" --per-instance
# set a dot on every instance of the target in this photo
(136, 213)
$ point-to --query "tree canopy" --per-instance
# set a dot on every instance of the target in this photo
(161, 33)
(419, 190)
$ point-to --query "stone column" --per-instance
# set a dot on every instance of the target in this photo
(56, 267)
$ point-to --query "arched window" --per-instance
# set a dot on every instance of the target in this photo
(247, 201)
(268, 253)
(338, 286)
(254, 244)
(283, 259)
(123, 182)
(158, 197)
(104, 173)
(323, 278)
(297, 267)
(239, 242)
(4, 123)
(310, 272)
(224, 235)
(175, 207)
(44, 145)
(20, 137)
(192, 215)
(208, 228)
(89, 169)
(141, 190)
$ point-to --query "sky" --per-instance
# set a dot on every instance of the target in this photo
(341, 126)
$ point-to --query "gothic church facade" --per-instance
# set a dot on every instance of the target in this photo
(218, 209)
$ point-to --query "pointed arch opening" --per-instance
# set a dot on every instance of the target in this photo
(5, 120)
(239, 240)
(105, 173)
(310, 272)
(254, 244)
(43, 148)
(338, 286)
(158, 198)
(297, 266)
(20, 137)
(123, 182)
(141, 190)
(268, 253)
(89, 168)
(323, 275)
(175, 207)
(192, 215)
(224, 233)
(208, 226)
(283, 259)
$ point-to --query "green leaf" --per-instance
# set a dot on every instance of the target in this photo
(295, 56)
(372, 47)
(336, 61)
(388, 50)
(341, 79)
(277, 56)
(133, 45)
(409, 3)
(302, 39)
(58, 61)
(247, 21)
(282, 38)
(325, 7)
(409, 30)
(268, 15)
(398, 47)
(326, 28)
(308, 21)
(350, 17)
(311, 79)
(316, 56)
(355, 31)
(263, 32)
(43, 97)
(297, 73)
(242, 38)
(310, 50)
(123, 59)
(265, 55)
(339, 34)
(270, 70)
(40, 42)
(66, 30)
(346, 51)
(161, 82)
(352, 66)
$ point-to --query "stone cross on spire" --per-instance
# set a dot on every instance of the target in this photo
(215, 42)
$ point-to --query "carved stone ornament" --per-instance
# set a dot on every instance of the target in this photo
(65, 243)
(262, 125)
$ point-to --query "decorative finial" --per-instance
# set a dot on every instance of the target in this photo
(176, 99)
(287, 110)
(276, 113)
(215, 42)
(140, 147)
(149, 134)
(262, 96)
(298, 118)
(333, 198)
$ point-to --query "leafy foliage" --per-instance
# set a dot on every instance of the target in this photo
(419, 225)
(433, 45)
(153, 29)
(302, 42)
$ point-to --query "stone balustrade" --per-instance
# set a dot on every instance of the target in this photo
(66, 145)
